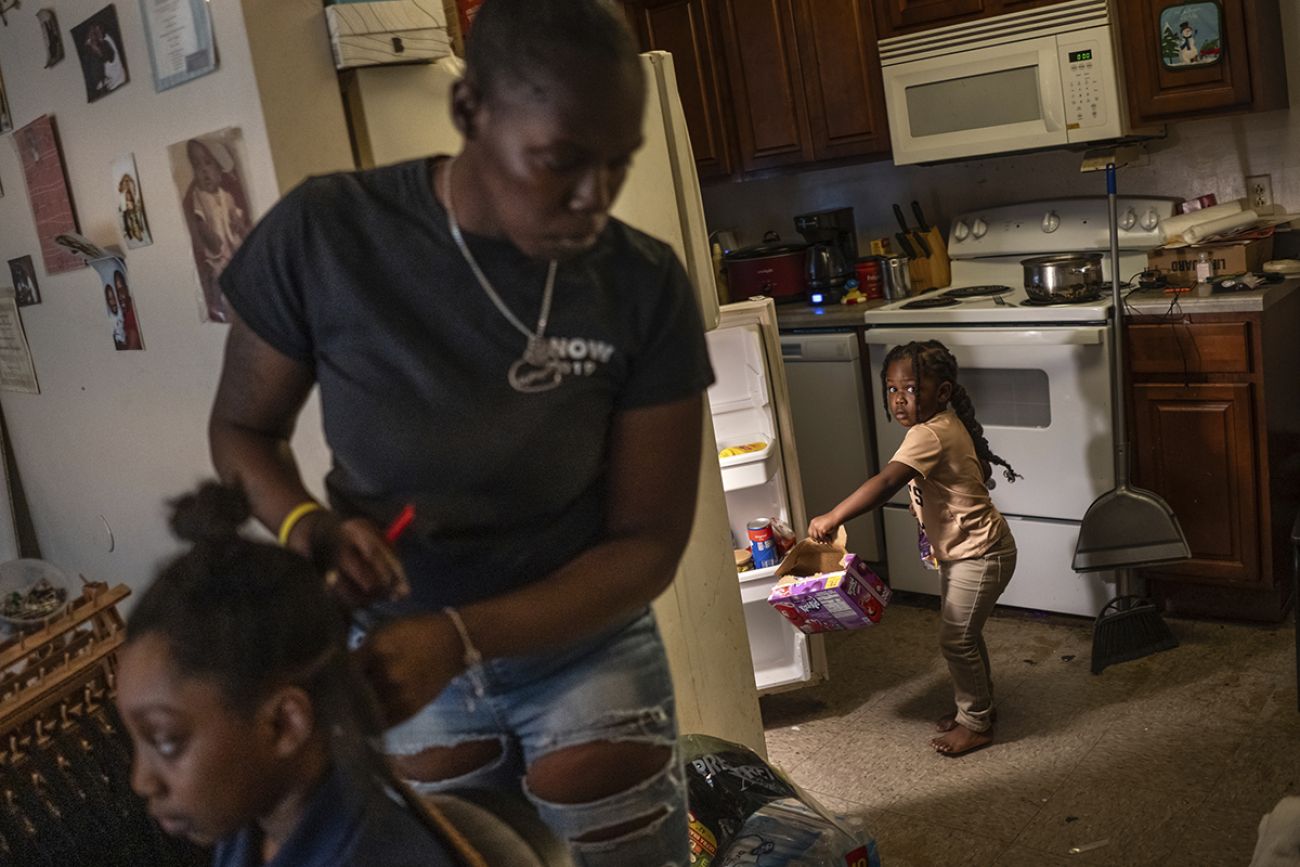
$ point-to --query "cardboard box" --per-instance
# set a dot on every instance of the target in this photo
(383, 32)
(1178, 264)
(817, 595)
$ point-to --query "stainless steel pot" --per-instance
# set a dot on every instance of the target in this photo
(1063, 278)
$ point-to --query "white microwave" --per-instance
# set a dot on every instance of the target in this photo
(1046, 77)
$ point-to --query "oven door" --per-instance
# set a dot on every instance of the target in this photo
(977, 101)
(1043, 396)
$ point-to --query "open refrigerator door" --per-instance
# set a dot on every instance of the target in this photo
(750, 405)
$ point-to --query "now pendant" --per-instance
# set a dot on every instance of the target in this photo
(536, 371)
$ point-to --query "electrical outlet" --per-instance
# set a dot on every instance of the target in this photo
(1259, 194)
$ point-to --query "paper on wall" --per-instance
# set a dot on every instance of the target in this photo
(17, 372)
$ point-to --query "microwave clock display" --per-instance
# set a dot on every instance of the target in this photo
(1080, 56)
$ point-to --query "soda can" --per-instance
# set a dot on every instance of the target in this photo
(762, 542)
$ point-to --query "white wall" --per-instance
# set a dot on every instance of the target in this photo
(1197, 157)
(112, 433)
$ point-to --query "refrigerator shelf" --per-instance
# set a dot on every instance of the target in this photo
(754, 580)
(748, 470)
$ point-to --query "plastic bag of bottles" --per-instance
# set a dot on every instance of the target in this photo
(743, 813)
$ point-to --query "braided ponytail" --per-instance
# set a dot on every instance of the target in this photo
(965, 410)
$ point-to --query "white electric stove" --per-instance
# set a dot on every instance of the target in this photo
(1039, 376)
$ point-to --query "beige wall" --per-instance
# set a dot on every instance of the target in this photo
(114, 433)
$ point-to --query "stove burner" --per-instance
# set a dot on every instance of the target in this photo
(927, 303)
(1035, 302)
(976, 291)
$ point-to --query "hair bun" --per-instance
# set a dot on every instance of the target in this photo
(213, 513)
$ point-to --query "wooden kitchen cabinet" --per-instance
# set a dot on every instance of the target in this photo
(1250, 74)
(1215, 429)
(685, 29)
(1198, 450)
(766, 79)
(896, 17)
(770, 85)
(841, 78)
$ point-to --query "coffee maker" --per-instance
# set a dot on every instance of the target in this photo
(832, 252)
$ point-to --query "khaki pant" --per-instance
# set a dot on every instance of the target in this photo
(969, 590)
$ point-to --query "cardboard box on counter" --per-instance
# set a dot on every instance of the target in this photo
(1178, 264)
(825, 589)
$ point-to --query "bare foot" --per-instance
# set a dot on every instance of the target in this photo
(960, 741)
(948, 721)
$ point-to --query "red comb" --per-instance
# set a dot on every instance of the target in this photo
(400, 523)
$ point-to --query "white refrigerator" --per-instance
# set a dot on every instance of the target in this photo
(403, 112)
(750, 404)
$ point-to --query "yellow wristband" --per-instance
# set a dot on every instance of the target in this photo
(291, 520)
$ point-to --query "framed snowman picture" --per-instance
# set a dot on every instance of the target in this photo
(1191, 35)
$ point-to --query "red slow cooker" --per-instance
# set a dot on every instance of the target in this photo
(777, 269)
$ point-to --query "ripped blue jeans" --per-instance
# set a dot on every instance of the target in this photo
(614, 687)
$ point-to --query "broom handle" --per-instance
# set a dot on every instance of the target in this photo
(1117, 341)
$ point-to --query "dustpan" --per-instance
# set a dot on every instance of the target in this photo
(1126, 527)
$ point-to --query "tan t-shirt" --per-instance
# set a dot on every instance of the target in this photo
(950, 498)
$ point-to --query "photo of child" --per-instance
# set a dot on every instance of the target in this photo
(209, 178)
(131, 218)
(98, 40)
(26, 289)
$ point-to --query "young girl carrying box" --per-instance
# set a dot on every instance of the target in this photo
(946, 463)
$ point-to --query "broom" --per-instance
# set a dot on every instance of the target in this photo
(1127, 526)
(1129, 627)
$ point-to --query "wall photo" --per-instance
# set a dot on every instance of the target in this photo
(98, 41)
(131, 219)
(209, 174)
(26, 289)
(50, 33)
(120, 306)
(6, 115)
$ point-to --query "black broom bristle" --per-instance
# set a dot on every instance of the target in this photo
(1128, 628)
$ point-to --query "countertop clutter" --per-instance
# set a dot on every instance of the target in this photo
(1158, 302)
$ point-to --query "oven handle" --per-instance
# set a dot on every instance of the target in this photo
(1090, 335)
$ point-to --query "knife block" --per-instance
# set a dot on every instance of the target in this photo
(935, 270)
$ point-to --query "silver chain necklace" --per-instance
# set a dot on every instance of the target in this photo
(535, 370)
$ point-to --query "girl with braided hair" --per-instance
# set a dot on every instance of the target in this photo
(251, 722)
(946, 463)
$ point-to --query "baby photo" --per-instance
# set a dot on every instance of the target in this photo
(210, 181)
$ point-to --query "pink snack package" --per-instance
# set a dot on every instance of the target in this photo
(827, 602)
(858, 568)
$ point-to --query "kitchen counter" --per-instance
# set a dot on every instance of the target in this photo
(799, 317)
(1156, 303)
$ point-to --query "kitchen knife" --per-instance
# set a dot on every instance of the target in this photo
(920, 216)
(914, 238)
(905, 245)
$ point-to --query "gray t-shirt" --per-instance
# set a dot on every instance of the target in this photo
(356, 275)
